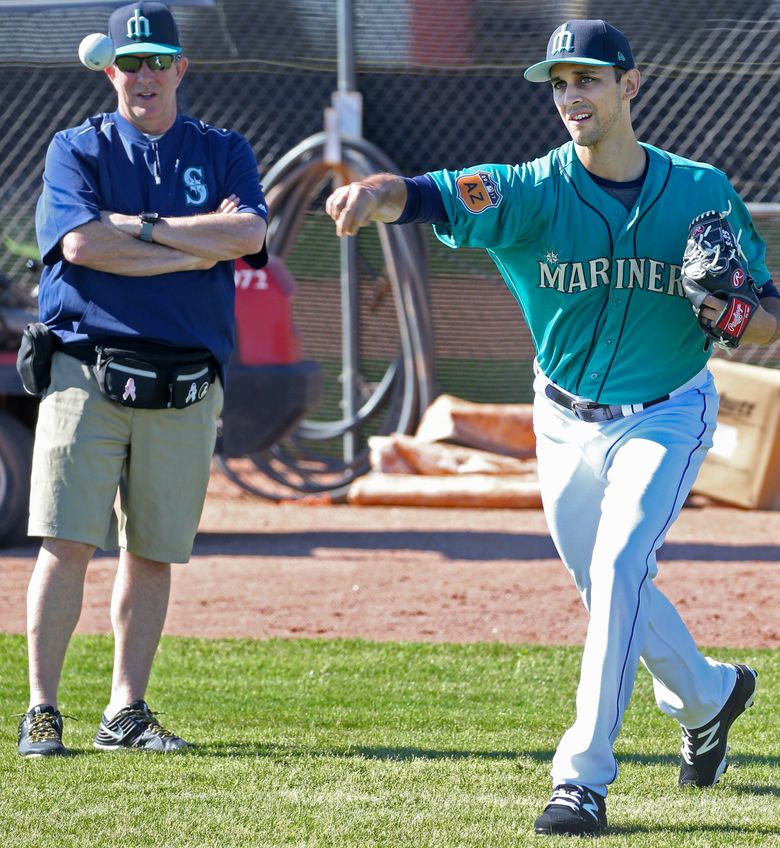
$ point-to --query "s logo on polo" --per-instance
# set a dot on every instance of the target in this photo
(196, 192)
(478, 192)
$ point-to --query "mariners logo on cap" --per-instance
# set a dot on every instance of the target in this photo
(563, 42)
(138, 27)
(145, 26)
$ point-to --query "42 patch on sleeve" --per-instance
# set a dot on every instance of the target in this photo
(478, 192)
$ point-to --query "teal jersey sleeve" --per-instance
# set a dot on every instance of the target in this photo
(488, 206)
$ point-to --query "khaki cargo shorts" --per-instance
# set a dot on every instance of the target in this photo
(87, 448)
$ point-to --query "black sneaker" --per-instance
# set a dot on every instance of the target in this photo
(704, 749)
(40, 733)
(135, 726)
(573, 811)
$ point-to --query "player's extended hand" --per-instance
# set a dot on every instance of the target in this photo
(352, 207)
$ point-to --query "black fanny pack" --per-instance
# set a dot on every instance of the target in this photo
(146, 376)
(154, 379)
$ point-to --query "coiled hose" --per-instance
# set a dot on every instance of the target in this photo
(303, 464)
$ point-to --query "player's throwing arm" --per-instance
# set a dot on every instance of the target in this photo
(381, 197)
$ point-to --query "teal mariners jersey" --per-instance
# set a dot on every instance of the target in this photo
(600, 286)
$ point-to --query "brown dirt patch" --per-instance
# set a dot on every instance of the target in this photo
(264, 570)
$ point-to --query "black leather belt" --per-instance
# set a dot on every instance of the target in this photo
(84, 351)
(596, 412)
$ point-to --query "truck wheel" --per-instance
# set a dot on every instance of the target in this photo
(16, 443)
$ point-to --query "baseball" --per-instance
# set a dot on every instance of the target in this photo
(96, 51)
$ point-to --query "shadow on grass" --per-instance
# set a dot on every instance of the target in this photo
(276, 751)
(695, 830)
(287, 752)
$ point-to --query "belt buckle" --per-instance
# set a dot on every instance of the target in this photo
(580, 408)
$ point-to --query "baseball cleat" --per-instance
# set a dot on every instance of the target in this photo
(135, 726)
(704, 750)
(40, 733)
(573, 811)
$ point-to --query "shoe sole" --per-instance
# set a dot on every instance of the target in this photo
(576, 833)
(35, 755)
(114, 748)
(111, 747)
(723, 767)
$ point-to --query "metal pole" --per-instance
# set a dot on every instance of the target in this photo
(350, 327)
(346, 40)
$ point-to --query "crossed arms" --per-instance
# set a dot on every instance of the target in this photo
(188, 243)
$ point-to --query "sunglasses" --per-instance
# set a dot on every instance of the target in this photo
(132, 64)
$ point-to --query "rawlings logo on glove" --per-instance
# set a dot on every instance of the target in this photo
(712, 265)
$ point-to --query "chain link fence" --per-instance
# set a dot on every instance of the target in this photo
(441, 82)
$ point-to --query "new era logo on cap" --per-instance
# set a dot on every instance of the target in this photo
(583, 42)
(144, 27)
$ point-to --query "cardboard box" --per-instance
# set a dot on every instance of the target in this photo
(743, 466)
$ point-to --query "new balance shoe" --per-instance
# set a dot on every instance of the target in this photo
(135, 726)
(704, 750)
(573, 811)
(40, 733)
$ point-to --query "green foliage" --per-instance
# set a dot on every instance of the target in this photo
(353, 743)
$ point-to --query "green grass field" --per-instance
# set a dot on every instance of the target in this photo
(353, 743)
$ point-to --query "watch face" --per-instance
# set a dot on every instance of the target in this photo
(150, 217)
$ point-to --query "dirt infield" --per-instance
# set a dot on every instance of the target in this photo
(263, 570)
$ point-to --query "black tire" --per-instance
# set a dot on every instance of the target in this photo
(16, 443)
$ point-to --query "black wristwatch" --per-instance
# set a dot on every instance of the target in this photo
(148, 220)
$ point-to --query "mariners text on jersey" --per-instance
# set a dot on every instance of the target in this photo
(645, 273)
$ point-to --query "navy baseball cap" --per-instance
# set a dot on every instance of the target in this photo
(144, 27)
(583, 43)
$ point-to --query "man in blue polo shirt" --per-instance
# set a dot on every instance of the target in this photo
(141, 214)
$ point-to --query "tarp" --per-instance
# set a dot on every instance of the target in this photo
(43, 5)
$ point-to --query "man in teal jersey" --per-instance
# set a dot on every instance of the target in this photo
(589, 239)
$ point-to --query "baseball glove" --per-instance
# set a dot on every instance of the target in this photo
(713, 263)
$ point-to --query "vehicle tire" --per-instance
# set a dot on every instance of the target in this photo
(16, 443)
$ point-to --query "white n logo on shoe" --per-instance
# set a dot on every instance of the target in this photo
(591, 807)
(709, 739)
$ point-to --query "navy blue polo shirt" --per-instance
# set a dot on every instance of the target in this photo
(108, 164)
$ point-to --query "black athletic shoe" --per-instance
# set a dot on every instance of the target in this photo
(135, 726)
(573, 811)
(704, 749)
(40, 733)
